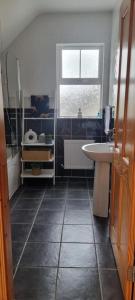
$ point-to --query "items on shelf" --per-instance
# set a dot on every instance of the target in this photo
(40, 105)
(41, 138)
(36, 169)
(48, 139)
(30, 137)
(36, 155)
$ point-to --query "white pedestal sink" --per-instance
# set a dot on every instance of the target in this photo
(103, 155)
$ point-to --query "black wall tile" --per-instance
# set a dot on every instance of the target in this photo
(35, 125)
(97, 139)
(79, 127)
(78, 173)
(47, 126)
(63, 127)
(94, 127)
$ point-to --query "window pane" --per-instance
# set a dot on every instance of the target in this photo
(70, 63)
(73, 97)
(89, 63)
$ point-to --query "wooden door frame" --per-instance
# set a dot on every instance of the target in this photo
(131, 240)
(6, 275)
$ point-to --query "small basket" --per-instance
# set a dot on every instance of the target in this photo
(36, 171)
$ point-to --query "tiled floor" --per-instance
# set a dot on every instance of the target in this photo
(60, 251)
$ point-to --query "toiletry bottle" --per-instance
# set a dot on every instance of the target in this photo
(79, 113)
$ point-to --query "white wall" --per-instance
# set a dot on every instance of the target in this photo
(15, 15)
(114, 49)
(36, 47)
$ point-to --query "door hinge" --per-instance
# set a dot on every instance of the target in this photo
(131, 273)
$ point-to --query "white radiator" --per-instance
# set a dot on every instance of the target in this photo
(74, 158)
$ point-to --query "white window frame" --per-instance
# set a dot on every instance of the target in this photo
(78, 81)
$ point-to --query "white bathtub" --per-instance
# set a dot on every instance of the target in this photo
(13, 168)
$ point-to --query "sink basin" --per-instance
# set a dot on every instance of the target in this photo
(102, 152)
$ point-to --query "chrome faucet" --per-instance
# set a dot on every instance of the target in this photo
(110, 135)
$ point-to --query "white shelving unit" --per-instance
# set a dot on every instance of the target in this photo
(45, 173)
(37, 145)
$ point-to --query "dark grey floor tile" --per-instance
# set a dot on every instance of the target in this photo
(56, 189)
(31, 190)
(82, 217)
(78, 189)
(111, 288)
(105, 256)
(46, 233)
(49, 217)
(40, 255)
(58, 185)
(23, 216)
(55, 204)
(60, 194)
(35, 284)
(78, 255)
(20, 232)
(77, 184)
(33, 194)
(16, 252)
(39, 189)
(78, 284)
(13, 202)
(77, 234)
(61, 183)
(91, 183)
(91, 194)
(101, 230)
(78, 205)
(15, 198)
(74, 194)
(28, 203)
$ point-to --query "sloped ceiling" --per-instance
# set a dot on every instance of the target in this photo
(16, 15)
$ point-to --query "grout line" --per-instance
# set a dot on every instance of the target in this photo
(29, 209)
(100, 284)
(56, 284)
(19, 198)
(17, 266)
(55, 267)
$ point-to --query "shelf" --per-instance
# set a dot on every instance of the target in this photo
(46, 173)
(45, 161)
(26, 118)
(37, 144)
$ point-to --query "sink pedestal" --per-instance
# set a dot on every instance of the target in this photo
(101, 189)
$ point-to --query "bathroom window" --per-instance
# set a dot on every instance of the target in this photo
(79, 80)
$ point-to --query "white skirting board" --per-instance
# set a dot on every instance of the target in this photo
(74, 158)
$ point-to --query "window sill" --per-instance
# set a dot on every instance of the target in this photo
(87, 118)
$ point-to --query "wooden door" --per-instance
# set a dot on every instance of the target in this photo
(122, 224)
(131, 118)
(6, 289)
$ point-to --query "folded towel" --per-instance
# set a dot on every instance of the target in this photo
(107, 118)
